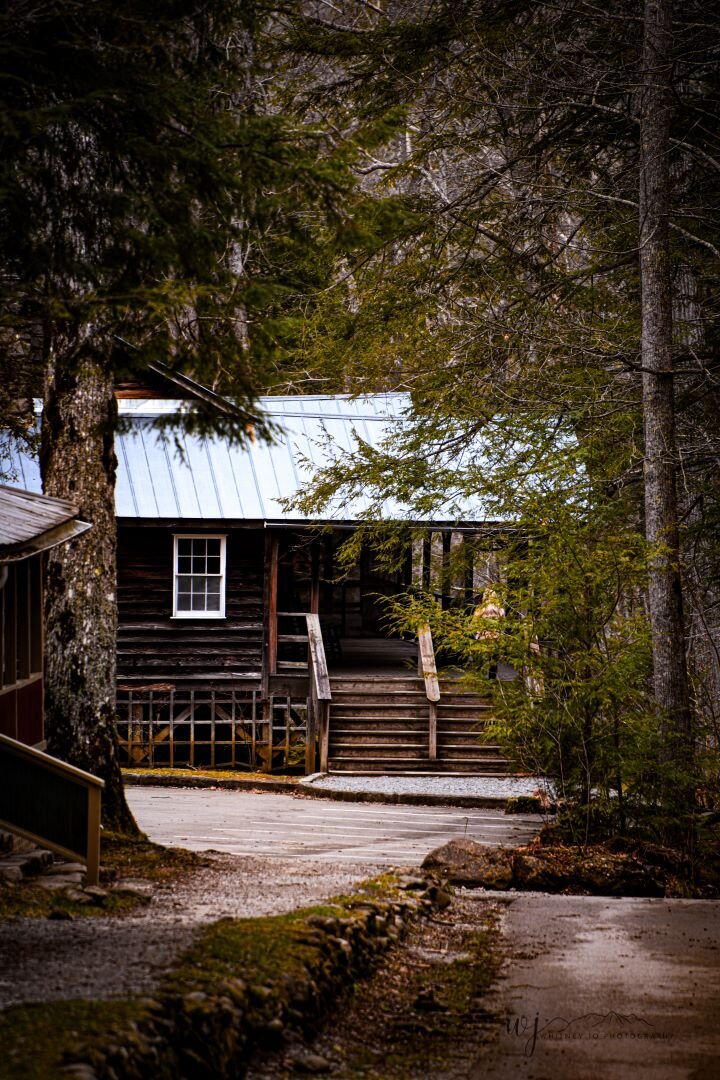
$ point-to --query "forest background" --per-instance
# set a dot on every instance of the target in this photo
(507, 210)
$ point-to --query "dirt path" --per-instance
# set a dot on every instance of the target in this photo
(607, 988)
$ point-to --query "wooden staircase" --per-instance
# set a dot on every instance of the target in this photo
(380, 724)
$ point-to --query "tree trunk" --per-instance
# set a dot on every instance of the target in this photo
(661, 513)
(78, 463)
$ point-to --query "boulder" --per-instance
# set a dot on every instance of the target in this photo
(465, 862)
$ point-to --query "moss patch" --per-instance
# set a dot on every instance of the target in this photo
(132, 857)
(215, 774)
(262, 949)
(35, 1038)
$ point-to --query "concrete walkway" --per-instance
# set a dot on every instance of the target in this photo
(608, 989)
(289, 826)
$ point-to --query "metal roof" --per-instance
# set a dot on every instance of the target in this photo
(30, 522)
(176, 476)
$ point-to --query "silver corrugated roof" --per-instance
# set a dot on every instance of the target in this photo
(180, 476)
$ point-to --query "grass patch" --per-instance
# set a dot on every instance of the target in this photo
(35, 1038)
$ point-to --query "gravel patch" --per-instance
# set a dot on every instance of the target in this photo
(96, 957)
(493, 787)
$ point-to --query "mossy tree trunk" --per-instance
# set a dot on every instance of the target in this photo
(78, 463)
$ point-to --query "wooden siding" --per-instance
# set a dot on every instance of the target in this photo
(152, 646)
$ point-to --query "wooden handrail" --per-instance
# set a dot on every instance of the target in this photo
(428, 670)
(426, 663)
(318, 662)
(51, 803)
(319, 696)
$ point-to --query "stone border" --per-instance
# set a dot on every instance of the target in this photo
(210, 1036)
(188, 780)
(308, 786)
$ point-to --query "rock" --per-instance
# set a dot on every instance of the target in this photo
(427, 1002)
(96, 894)
(131, 893)
(309, 1063)
(465, 862)
(441, 898)
(65, 868)
(532, 872)
(78, 896)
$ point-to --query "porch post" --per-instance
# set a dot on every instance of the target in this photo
(270, 621)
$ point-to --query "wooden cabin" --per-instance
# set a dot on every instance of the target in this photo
(218, 575)
(30, 524)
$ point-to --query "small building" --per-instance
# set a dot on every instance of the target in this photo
(30, 524)
(218, 573)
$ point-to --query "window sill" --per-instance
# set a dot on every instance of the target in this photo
(217, 615)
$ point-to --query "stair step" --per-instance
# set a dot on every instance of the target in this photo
(413, 754)
(401, 767)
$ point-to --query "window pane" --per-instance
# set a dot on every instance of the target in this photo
(198, 564)
(184, 546)
(184, 564)
(213, 564)
(213, 547)
(183, 602)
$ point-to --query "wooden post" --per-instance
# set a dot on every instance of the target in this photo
(270, 635)
(270, 608)
(93, 836)
(315, 579)
(324, 710)
(428, 671)
(432, 730)
(319, 690)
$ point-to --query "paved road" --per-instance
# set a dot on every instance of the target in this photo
(246, 823)
(606, 988)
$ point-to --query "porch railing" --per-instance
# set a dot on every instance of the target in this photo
(51, 803)
(428, 670)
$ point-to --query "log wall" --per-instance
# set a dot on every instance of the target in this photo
(152, 646)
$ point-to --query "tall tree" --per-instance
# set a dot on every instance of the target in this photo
(151, 208)
(658, 392)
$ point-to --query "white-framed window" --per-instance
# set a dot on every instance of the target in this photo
(199, 576)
